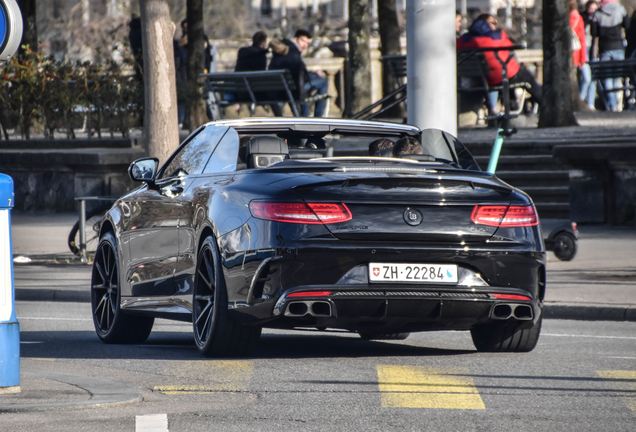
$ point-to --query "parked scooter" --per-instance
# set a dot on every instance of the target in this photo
(562, 238)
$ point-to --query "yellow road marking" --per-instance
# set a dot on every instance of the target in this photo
(427, 387)
(629, 383)
(217, 376)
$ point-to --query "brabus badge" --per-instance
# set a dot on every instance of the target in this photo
(413, 217)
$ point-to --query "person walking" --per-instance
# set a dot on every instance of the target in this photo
(587, 87)
(608, 43)
(630, 36)
(579, 49)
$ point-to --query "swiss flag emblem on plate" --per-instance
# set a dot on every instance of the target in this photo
(376, 271)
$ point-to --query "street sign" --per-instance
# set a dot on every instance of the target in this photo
(9, 326)
(10, 29)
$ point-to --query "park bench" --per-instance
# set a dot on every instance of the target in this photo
(613, 69)
(473, 69)
(471, 66)
(255, 88)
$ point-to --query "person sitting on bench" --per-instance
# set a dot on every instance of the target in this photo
(305, 81)
(483, 33)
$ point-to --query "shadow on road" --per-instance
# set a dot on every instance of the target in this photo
(180, 346)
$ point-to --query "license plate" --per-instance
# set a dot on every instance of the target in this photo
(414, 273)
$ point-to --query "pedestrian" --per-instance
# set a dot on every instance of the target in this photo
(459, 21)
(210, 55)
(307, 83)
(483, 33)
(630, 36)
(579, 49)
(136, 46)
(608, 43)
(587, 87)
(253, 57)
(180, 67)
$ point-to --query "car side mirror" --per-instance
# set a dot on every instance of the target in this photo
(144, 170)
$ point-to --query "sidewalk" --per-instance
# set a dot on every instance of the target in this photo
(598, 284)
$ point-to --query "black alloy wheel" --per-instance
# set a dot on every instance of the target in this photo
(215, 333)
(111, 324)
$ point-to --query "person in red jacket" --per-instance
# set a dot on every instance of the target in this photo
(483, 33)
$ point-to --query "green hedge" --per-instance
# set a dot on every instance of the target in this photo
(35, 89)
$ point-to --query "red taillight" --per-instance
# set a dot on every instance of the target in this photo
(504, 216)
(310, 294)
(307, 213)
(511, 297)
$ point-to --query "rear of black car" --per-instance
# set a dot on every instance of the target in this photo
(384, 253)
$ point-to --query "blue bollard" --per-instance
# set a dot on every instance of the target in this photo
(9, 327)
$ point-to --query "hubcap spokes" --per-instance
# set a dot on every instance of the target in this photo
(204, 296)
(105, 286)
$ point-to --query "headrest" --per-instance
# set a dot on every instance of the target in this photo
(267, 145)
(262, 151)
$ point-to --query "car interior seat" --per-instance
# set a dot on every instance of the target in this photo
(262, 151)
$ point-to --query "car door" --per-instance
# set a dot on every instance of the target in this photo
(153, 220)
(201, 193)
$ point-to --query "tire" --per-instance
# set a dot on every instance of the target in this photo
(111, 324)
(565, 246)
(384, 336)
(506, 337)
(215, 333)
(93, 227)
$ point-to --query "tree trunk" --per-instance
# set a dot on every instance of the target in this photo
(557, 108)
(195, 111)
(161, 128)
(30, 33)
(359, 55)
(390, 41)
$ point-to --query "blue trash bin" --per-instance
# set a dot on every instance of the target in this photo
(9, 327)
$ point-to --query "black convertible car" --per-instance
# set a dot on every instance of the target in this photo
(289, 223)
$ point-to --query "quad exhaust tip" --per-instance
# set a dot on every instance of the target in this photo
(298, 309)
(504, 311)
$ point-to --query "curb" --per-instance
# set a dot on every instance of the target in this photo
(590, 313)
(48, 259)
(27, 294)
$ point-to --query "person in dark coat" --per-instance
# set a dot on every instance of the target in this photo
(134, 37)
(303, 80)
(254, 57)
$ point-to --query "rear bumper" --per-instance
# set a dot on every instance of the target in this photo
(401, 308)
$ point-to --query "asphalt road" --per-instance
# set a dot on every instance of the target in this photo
(581, 376)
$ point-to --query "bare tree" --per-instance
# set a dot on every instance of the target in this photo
(557, 108)
(195, 111)
(359, 55)
(390, 40)
(161, 130)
